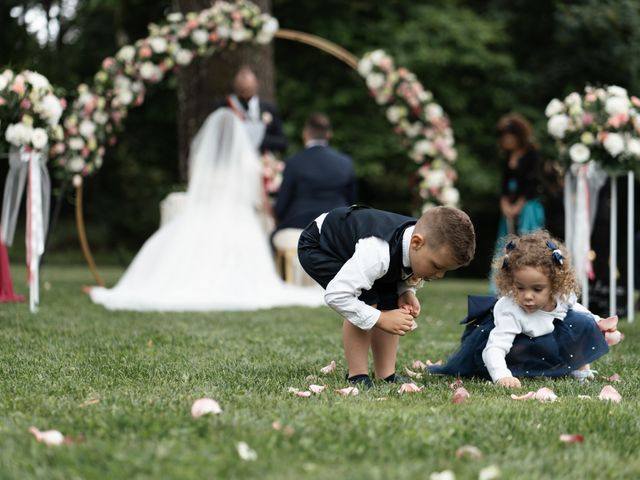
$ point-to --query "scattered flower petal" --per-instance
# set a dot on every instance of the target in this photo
(203, 406)
(246, 452)
(409, 388)
(526, 396)
(317, 388)
(329, 368)
(48, 437)
(430, 363)
(276, 425)
(489, 473)
(610, 393)
(614, 378)
(348, 391)
(90, 401)
(445, 475)
(412, 374)
(419, 364)
(460, 395)
(456, 384)
(293, 390)
(571, 438)
(469, 451)
(584, 397)
(303, 393)
(545, 394)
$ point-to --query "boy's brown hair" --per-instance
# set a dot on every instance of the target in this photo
(532, 250)
(451, 228)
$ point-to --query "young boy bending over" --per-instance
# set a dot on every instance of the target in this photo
(370, 262)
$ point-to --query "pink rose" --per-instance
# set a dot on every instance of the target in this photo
(107, 63)
(145, 51)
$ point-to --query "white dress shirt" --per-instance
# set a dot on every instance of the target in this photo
(369, 262)
(510, 320)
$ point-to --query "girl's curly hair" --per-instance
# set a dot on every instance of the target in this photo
(532, 250)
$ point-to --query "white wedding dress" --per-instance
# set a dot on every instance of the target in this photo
(213, 255)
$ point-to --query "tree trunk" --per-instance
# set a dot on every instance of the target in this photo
(207, 79)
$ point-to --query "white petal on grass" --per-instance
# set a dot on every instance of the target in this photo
(48, 437)
(245, 452)
(204, 406)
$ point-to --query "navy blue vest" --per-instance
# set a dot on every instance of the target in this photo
(343, 227)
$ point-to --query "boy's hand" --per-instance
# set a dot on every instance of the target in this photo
(396, 322)
(408, 301)
(509, 382)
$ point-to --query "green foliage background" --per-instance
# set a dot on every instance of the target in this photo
(481, 59)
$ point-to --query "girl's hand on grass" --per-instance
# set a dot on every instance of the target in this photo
(509, 382)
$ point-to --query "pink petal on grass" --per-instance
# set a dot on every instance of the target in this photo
(48, 437)
(303, 393)
(456, 384)
(610, 393)
(419, 364)
(203, 406)
(469, 451)
(348, 391)
(526, 396)
(412, 374)
(613, 338)
(409, 388)
(545, 394)
(571, 438)
(317, 388)
(460, 395)
(614, 378)
(276, 425)
(329, 368)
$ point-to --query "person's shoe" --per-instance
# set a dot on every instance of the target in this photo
(362, 380)
(584, 375)
(395, 378)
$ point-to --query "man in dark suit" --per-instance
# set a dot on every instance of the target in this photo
(315, 180)
(261, 118)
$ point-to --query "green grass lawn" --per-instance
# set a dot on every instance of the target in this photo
(146, 370)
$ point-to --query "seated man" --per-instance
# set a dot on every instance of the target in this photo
(315, 180)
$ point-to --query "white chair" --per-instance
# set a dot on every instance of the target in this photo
(286, 244)
(171, 205)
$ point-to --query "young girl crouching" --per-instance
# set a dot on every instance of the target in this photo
(537, 327)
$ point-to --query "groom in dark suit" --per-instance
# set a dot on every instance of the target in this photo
(315, 180)
(261, 118)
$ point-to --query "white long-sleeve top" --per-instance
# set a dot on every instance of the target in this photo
(369, 262)
(510, 320)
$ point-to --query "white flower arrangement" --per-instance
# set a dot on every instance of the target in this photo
(29, 109)
(601, 125)
(419, 121)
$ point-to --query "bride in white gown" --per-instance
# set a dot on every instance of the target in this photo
(214, 254)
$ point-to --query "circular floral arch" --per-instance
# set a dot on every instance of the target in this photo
(79, 133)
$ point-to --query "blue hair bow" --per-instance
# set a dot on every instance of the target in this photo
(556, 254)
(509, 247)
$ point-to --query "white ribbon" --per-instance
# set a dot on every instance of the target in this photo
(580, 209)
(28, 167)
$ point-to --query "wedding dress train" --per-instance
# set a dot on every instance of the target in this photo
(214, 255)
